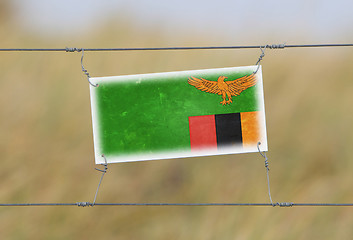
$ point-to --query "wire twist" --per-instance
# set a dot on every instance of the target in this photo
(84, 204)
(82, 67)
(276, 46)
(67, 49)
(260, 58)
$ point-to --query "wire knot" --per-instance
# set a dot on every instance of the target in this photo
(260, 58)
(84, 204)
(105, 164)
(84, 70)
(67, 49)
(283, 204)
(261, 55)
(263, 154)
(267, 164)
(276, 46)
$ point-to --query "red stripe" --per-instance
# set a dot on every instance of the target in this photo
(202, 132)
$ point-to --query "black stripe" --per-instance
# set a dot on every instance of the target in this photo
(228, 129)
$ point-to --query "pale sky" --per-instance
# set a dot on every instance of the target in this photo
(315, 20)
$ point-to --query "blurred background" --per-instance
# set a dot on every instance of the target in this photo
(46, 138)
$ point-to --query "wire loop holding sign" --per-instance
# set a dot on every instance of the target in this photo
(83, 69)
(263, 48)
(263, 154)
(260, 58)
(103, 172)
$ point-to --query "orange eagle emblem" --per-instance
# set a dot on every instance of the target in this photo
(226, 89)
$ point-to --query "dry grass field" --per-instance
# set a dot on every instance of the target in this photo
(46, 146)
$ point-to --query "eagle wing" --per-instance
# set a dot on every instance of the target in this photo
(205, 85)
(238, 85)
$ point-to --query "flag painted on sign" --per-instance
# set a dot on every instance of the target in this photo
(178, 114)
(224, 130)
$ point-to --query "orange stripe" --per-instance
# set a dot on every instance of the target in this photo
(250, 128)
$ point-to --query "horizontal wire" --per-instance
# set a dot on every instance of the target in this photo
(272, 46)
(86, 204)
(35, 204)
(184, 204)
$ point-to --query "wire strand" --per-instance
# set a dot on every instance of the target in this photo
(87, 204)
(272, 46)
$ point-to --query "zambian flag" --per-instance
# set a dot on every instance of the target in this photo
(178, 114)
